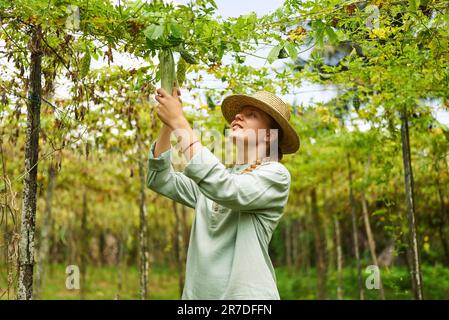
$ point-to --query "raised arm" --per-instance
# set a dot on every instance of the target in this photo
(162, 178)
(265, 187)
(163, 143)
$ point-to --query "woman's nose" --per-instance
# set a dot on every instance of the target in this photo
(238, 116)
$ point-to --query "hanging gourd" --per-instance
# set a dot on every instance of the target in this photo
(165, 37)
(167, 69)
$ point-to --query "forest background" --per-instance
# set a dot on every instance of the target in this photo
(368, 87)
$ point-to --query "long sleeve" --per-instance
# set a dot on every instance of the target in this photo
(163, 179)
(265, 187)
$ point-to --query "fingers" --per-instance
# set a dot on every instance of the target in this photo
(176, 91)
(161, 95)
(162, 92)
(176, 94)
(158, 98)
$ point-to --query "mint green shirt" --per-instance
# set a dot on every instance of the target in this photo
(227, 256)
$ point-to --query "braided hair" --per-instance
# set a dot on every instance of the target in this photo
(251, 167)
(275, 125)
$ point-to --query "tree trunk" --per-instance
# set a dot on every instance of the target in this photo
(306, 240)
(28, 221)
(121, 261)
(369, 233)
(371, 241)
(442, 216)
(143, 235)
(295, 233)
(339, 258)
(410, 205)
(355, 236)
(84, 246)
(330, 244)
(102, 247)
(319, 247)
(288, 244)
(327, 230)
(9, 232)
(44, 247)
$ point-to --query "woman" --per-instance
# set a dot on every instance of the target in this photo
(237, 208)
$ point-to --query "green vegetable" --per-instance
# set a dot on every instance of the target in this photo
(212, 58)
(167, 69)
(189, 58)
(85, 64)
(181, 69)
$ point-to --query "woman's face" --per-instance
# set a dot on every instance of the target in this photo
(248, 122)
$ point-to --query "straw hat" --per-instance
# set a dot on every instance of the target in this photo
(270, 104)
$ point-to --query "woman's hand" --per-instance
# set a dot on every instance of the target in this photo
(170, 113)
(170, 108)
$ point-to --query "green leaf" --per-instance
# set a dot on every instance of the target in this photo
(85, 63)
(158, 31)
(325, 75)
(445, 131)
(236, 46)
(213, 4)
(291, 48)
(283, 54)
(94, 55)
(148, 32)
(153, 31)
(240, 59)
(379, 212)
(175, 30)
(274, 53)
(210, 103)
(414, 5)
(333, 38)
(356, 102)
(318, 26)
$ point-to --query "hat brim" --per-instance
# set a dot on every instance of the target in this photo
(234, 103)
